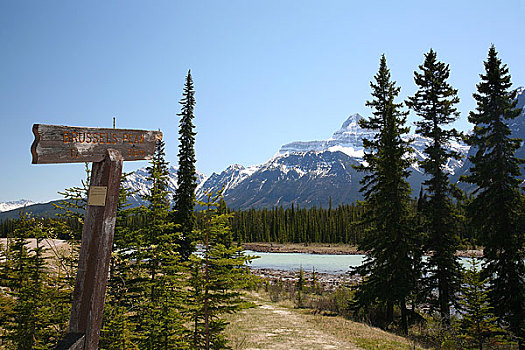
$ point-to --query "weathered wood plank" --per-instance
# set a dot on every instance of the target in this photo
(95, 253)
(71, 144)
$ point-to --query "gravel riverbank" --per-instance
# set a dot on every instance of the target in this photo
(330, 249)
(326, 281)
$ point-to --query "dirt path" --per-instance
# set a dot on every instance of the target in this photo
(273, 327)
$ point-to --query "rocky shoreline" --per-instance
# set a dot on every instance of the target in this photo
(330, 249)
(326, 281)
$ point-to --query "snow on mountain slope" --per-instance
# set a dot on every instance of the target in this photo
(303, 178)
(227, 179)
(419, 143)
(313, 172)
(137, 181)
(5, 206)
(349, 140)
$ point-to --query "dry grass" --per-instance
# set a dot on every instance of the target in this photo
(361, 334)
(53, 247)
(280, 326)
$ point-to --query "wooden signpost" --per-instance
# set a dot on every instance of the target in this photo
(107, 149)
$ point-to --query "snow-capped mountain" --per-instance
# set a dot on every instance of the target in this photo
(227, 180)
(310, 173)
(304, 178)
(5, 206)
(137, 182)
(349, 140)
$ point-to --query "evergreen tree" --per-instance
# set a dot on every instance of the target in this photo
(478, 324)
(157, 273)
(388, 270)
(158, 173)
(186, 178)
(216, 278)
(434, 103)
(24, 274)
(498, 204)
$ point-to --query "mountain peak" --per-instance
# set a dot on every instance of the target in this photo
(349, 138)
(235, 167)
(352, 121)
(350, 129)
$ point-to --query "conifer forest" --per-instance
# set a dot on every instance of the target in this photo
(178, 271)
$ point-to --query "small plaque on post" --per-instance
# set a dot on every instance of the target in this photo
(97, 196)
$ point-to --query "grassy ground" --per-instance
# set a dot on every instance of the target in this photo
(281, 326)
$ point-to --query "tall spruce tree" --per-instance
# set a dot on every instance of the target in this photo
(159, 318)
(434, 103)
(498, 202)
(158, 173)
(388, 270)
(186, 177)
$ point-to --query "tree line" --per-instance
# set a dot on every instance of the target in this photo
(342, 224)
(298, 225)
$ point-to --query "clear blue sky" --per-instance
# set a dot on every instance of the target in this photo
(266, 72)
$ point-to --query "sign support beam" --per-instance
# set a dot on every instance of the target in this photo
(95, 254)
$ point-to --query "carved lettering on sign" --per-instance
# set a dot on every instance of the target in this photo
(68, 144)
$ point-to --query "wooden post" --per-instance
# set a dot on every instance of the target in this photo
(95, 254)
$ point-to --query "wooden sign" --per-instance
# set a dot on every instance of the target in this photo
(107, 149)
(70, 144)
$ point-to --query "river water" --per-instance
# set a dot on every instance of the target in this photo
(333, 264)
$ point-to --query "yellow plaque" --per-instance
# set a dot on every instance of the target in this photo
(97, 196)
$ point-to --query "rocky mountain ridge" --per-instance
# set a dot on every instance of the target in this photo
(11, 205)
